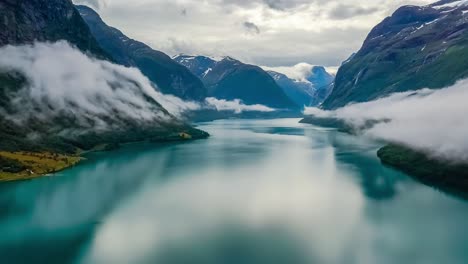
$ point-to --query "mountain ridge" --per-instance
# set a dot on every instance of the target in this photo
(421, 46)
(26, 22)
(170, 77)
(309, 92)
(232, 79)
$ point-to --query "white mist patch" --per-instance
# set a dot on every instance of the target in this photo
(236, 106)
(62, 80)
(299, 72)
(435, 121)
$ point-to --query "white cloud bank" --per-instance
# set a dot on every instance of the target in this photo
(435, 121)
(61, 79)
(236, 106)
(299, 72)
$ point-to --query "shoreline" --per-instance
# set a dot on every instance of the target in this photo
(443, 175)
(28, 165)
(31, 165)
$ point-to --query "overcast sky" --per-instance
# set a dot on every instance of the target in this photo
(264, 32)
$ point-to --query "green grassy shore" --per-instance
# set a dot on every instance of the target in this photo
(437, 173)
(26, 165)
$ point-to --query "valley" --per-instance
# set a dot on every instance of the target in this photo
(246, 132)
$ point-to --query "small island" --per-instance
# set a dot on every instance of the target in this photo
(437, 173)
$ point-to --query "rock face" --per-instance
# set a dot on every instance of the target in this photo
(74, 116)
(311, 92)
(231, 79)
(416, 47)
(171, 77)
(23, 22)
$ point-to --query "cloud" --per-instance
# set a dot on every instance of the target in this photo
(251, 27)
(299, 72)
(342, 11)
(97, 94)
(279, 5)
(236, 106)
(292, 31)
(433, 121)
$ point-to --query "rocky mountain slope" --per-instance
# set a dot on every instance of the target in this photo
(23, 22)
(416, 47)
(231, 79)
(171, 77)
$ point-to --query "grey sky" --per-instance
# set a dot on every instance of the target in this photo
(264, 32)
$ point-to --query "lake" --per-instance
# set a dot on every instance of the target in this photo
(257, 191)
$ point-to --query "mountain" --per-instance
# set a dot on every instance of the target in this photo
(56, 99)
(302, 93)
(319, 77)
(416, 47)
(311, 92)
(170, 77)
(231, 79)
(198, 65)
(24, 22)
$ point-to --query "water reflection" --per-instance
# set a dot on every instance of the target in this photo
(234, 245)
(269, 191)
(378, 182)
(52, 218)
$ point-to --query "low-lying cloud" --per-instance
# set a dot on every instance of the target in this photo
(434, 121)
(236, 106)
(60, 80)
(299, 72)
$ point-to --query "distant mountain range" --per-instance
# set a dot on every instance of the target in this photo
(112, 110)
(416, 47)
(170, 77)
(198, 77)
(311, 92)
(231, 79)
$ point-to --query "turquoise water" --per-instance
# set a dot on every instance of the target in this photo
(257, 191)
